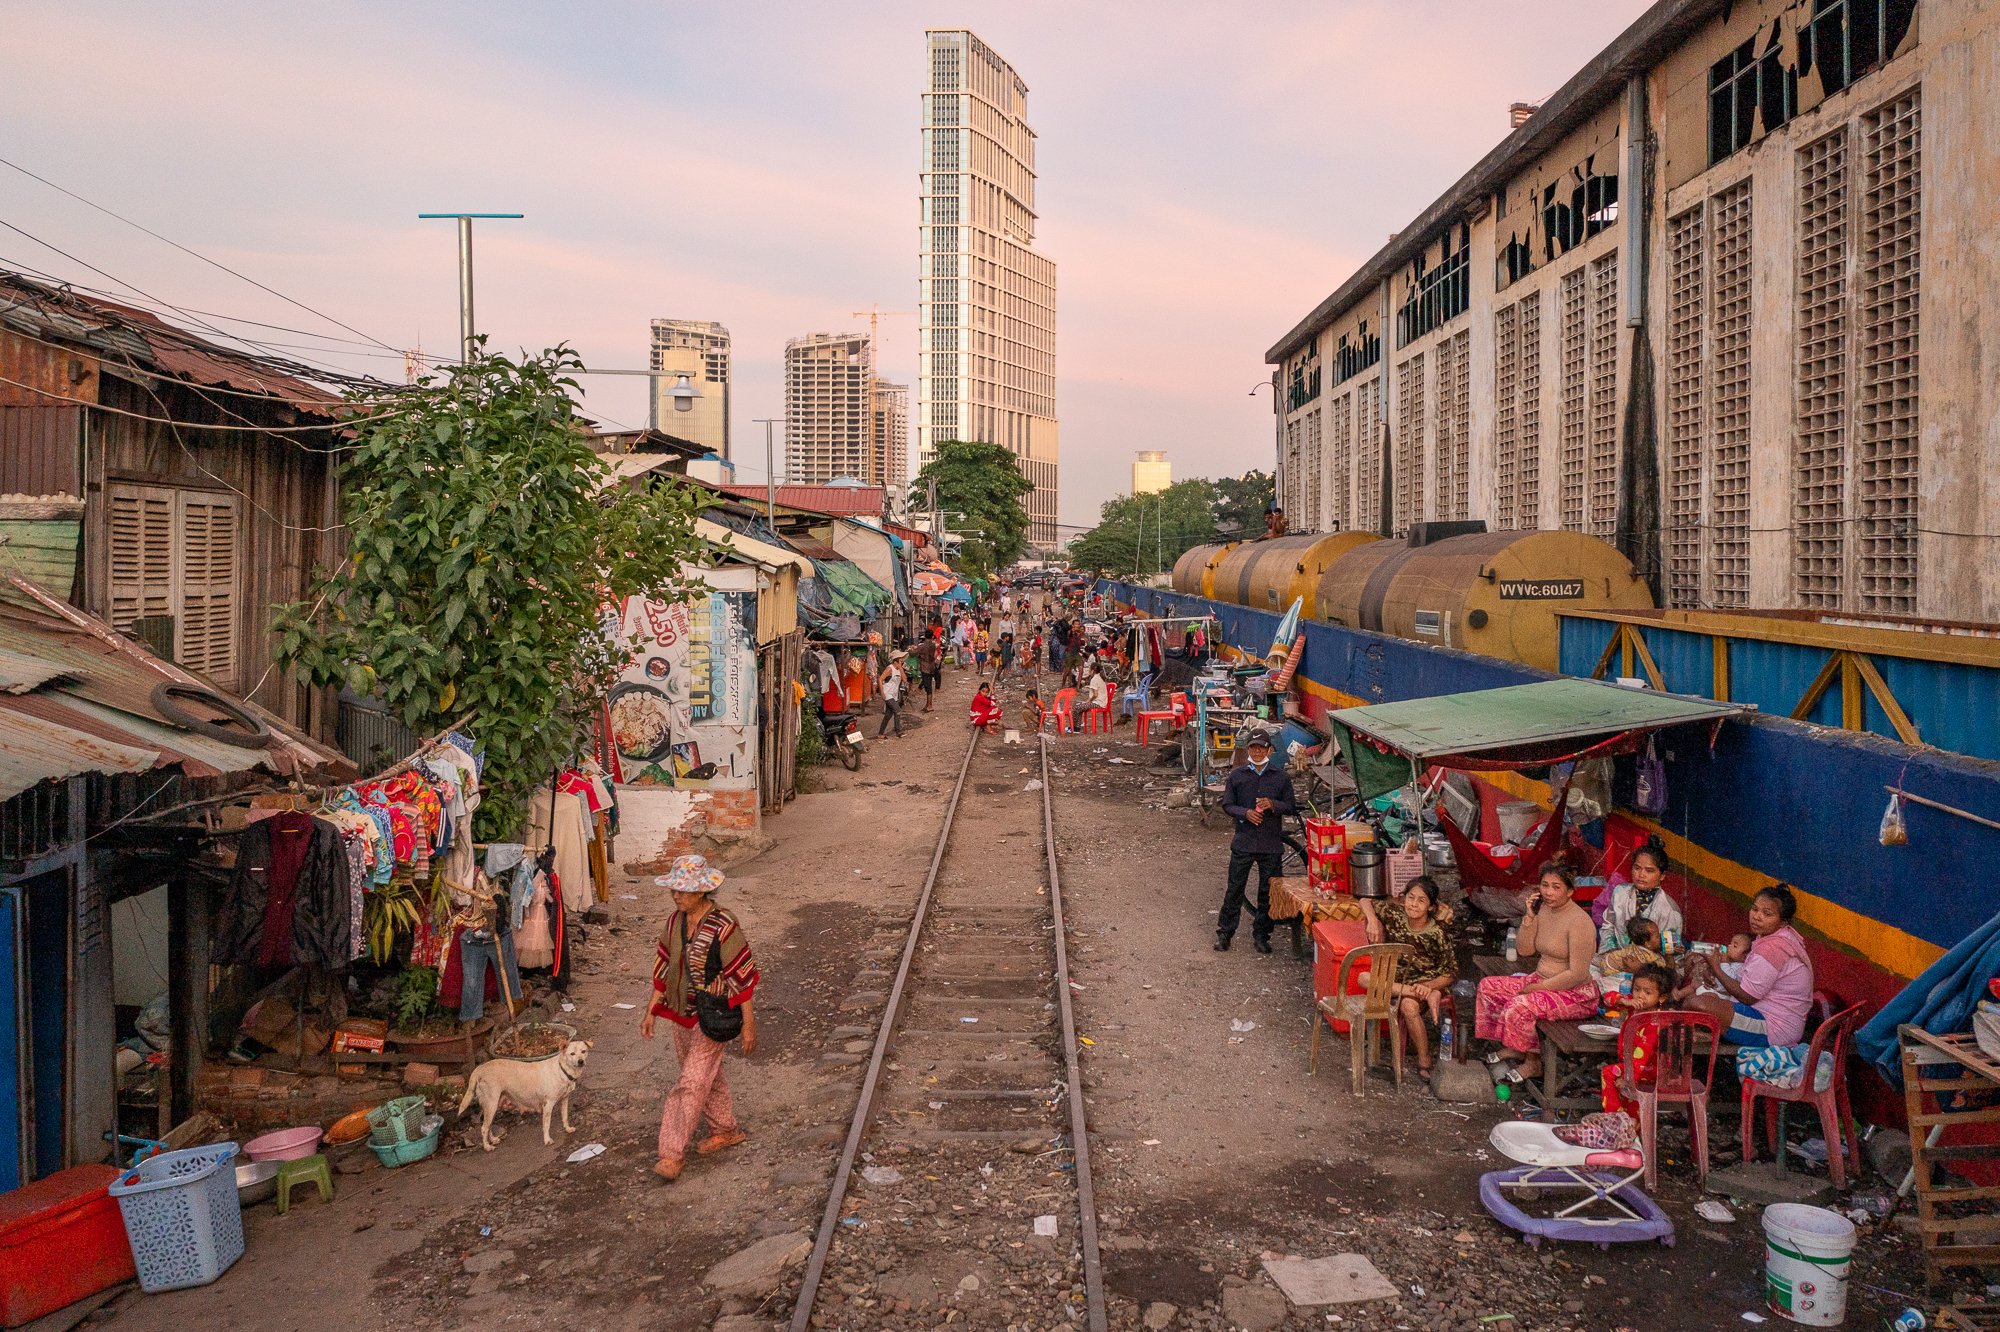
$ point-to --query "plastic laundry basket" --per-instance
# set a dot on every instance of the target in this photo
(182, 1217)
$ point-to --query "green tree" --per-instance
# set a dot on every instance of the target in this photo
(1241, 500)
(1143, 534)
(980, 490)
(483, 546)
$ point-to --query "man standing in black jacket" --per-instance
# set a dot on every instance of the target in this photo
(1258, 797)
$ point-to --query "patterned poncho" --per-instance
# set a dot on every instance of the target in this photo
(677, 974)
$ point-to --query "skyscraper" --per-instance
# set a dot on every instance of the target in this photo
(827, 431)
(699, 348)
(1151, 472)
(986, 300)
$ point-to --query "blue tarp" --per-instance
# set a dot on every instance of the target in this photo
(1940, 1001)
(959, 593)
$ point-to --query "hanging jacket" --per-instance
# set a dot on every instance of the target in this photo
(300, 891)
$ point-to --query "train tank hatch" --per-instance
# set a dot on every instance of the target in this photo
(1194, 571)
(1268, 575)
(1495, 593)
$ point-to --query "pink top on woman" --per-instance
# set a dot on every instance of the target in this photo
(1779, 980)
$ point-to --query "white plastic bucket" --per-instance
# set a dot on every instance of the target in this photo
(1806, 1256)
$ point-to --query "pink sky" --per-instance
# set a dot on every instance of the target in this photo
(1208, 174)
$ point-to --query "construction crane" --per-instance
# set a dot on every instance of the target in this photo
(875, 314)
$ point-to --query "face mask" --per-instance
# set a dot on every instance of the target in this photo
(1258, 765)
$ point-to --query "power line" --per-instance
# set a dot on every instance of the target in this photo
(194, 254)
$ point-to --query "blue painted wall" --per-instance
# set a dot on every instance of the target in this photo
(1788, 800)
(1954, 707)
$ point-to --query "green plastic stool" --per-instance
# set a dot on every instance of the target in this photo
(305, 1170)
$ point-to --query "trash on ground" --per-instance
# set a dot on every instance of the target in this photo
(618, 1005)
(966, 1019)
(1242, 1024)
(1033, 785)
(589, 1151)
(876, 1174)
(1011, 737)
(1709, 1209)
(1045, 1226)
(1149, 1142)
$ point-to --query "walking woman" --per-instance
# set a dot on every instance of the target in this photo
(698, 931)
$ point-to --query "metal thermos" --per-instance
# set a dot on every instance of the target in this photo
(1366, 870)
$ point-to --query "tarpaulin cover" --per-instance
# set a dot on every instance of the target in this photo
(1941, 1001)
(1520, 726)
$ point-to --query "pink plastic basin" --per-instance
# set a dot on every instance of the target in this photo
(283, 1145)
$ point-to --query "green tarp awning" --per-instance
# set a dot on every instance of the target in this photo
(1521, 726)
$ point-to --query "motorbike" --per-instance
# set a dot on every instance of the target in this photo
(843, 737)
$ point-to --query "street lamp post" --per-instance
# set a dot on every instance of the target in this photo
(770, 477)
(465, 272)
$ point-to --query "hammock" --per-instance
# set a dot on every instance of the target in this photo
(1477, 870)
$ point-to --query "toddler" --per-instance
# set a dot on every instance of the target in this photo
(1642, 951)
(1617, 1126)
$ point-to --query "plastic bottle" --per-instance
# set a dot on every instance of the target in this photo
(1513, 933)
(1444, 1037)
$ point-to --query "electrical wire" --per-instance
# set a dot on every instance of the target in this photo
(194, 254)
(169, 421)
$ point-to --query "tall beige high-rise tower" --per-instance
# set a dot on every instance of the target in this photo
(1151, 472)
(698, 348)
(986, 300)
(892, 435)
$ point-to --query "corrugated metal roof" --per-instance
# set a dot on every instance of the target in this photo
(142, 338)
(65, 673)
(34, 751)
(841, 500)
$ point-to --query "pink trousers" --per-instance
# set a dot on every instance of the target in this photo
(1508, 1016)
(700, 1090)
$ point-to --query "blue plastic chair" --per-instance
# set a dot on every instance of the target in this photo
(1137, 696)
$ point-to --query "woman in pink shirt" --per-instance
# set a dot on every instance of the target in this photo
(1769, 1003)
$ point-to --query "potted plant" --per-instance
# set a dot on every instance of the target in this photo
(419, 1024)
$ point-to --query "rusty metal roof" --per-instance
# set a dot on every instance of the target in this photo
(76, 697)
(845, 501)
(139, 338)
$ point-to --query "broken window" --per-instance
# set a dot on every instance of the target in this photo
(1439, 294)
(1749, 95)
(1351, 358)
(1846, 39)
(1590, 207)
(1304, 386)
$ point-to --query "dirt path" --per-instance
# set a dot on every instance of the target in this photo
(1212, 1146)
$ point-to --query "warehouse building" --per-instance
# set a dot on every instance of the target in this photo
(1723, 300)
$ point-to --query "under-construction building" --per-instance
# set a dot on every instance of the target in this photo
(828, 377)
(892, 435)
(699, 349)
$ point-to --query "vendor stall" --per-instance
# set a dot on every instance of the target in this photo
(1549, 726)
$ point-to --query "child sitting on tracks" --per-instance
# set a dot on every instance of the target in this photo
(985, 708)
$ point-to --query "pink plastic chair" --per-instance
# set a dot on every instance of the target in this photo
(1671, 1035)
(1836, 1120)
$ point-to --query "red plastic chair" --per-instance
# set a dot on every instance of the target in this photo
(1672, 1037)
(1836, 1120)
(1100, 718)
(1062, 711)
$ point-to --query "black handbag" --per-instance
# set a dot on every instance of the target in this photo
(719, 1021)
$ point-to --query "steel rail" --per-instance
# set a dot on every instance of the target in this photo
(1079, 1130)
(844, 1171)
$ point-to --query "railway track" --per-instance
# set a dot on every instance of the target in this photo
(968, 1143)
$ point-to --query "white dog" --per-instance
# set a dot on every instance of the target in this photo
(540, 1084)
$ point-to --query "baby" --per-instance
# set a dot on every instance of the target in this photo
(1737, 954)
(1642, 951)
(1617, 1126)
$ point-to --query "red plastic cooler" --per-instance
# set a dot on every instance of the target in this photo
(61, 1239)
(1331, 941)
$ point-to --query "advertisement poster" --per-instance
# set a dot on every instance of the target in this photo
(684, 710)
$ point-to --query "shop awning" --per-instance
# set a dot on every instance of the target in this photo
(1521, 726)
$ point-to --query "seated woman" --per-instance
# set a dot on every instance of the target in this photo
(1560, 935)
(1769, 1002)
(985, 708)
(1644, 898)
(1429, 969)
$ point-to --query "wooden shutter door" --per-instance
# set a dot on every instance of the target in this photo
(142, 554)
(205, 638)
